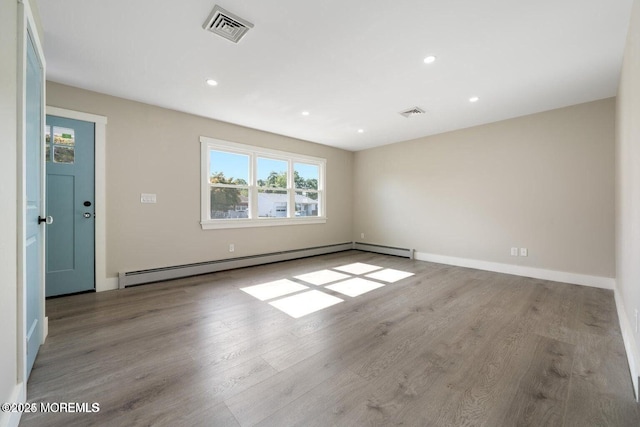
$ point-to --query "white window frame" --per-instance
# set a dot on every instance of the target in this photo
(207, 144)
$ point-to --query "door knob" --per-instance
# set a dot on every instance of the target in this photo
(47, 220)
(86, 215)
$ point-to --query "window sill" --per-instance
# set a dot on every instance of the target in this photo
(263, 222)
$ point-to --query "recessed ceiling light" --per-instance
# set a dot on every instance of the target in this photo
(429, 59)
(212, 82)
(474, 99)
(360, 130)
(305, 113)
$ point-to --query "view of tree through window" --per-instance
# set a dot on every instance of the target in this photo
(273, 196)
(305, 177)
(229, 175)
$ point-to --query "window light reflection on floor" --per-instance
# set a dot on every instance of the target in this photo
(358, 268)
(322, 277)
(354, 287)
(274, 289)
(389, 275)
(307, 301)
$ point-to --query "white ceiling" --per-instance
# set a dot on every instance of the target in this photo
(352, 64)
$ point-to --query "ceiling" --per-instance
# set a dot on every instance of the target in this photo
(352, 65)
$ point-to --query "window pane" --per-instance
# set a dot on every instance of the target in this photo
(228, 168)
(306, 176)
(272, 173)
(273, 203)
(229, 203)
(307, 203)
(64, 136)
(63, 154)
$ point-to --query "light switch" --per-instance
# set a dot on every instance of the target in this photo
(147, 198)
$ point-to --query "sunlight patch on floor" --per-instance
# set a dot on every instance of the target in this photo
(389, 275)
(358, 268)
(354, 287)
(322, 277)
(274, 289)
(305, 303)
(352, 281)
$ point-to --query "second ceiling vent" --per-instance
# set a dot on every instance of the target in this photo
(226, 24)
(415, 111)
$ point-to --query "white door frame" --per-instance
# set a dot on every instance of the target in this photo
(102, 282)
(26, 25)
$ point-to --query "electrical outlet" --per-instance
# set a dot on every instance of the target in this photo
(232, 247)
(362, 235)
(514, 251)
(524, 252)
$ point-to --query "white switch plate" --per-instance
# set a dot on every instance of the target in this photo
(147, 198)
(514, 251)
(523, 252)
(362, 235)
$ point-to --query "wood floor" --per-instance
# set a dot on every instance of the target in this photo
(448, 346)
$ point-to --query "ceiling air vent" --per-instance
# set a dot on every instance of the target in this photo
(415, 111)
(226, 24)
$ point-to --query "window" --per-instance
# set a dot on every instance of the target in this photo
(63, 144)
(246, 186)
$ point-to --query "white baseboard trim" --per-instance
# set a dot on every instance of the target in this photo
(520, 270)
(630, 344)
(12, 419)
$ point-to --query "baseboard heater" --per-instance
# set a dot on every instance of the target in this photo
(132, 278)
(386, 250)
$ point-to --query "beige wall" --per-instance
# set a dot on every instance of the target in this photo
(628, 188)
(8, 219)
(544, 182)
(155, 150)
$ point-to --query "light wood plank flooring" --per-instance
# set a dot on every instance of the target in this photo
(448, 346)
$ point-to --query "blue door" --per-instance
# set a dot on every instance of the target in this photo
(70, 146)
(34, 123)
